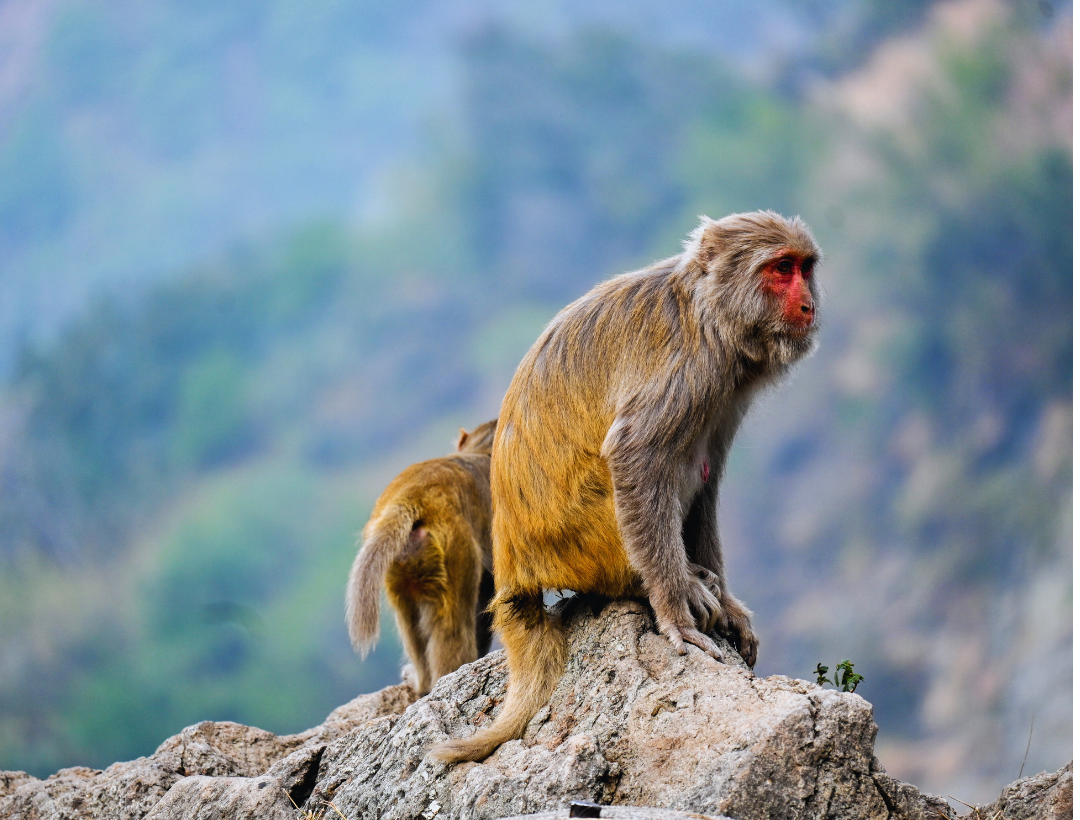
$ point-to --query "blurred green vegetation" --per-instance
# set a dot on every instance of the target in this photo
(185, 466)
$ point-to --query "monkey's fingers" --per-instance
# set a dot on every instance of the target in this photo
(745, 643)
(707, 612)
(702, 642)
(736, 629)
(672, 634)
(706, 605)
(749, 651)
(716, 588)
(678, 635)
(706, 576)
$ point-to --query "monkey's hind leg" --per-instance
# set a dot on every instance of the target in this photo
(414, 639)
(452, 642)
(451, 615)
(536, 649)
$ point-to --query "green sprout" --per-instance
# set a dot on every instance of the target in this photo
(846, 678)
(822, 674)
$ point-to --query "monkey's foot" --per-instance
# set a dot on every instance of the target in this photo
(708, 578)
(705, 598)
(409, 675)
(735, 627)
(682, 635)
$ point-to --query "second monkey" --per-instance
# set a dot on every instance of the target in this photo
(429, 539)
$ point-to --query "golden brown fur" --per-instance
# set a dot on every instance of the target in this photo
(429, 540)
(611, 443)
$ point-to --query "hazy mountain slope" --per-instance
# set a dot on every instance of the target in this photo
(183, 468)
(914, 482)
(136, 138)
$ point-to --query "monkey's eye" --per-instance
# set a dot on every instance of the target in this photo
(784, 266)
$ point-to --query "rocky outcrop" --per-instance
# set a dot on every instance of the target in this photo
(630, 724)
(1044, 796)
(224, 752)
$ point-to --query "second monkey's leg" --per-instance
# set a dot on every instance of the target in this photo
(452, 642)
(452, 615)
(536, 649)
(411, 629)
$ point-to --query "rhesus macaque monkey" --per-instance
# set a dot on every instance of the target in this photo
(429, 540)
(612, 441)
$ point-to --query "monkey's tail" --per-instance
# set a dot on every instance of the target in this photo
(536, 650)
(384, 540)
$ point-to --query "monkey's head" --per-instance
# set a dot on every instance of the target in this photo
(479, 440)
(755, 272)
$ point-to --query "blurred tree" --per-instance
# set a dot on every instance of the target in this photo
(573, 148)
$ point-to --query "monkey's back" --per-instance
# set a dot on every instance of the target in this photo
(553, 498)
(451, 498)
(456, 484)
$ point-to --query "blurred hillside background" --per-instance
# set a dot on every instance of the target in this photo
(257, 257)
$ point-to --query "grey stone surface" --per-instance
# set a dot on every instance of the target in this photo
(904, 800)
(624, 813)
(128, 791)
(10, 781)
(650, 734)
(1045, 796)
(216, 798)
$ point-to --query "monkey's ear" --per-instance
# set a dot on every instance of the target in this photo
(463, 437)
(700, 246)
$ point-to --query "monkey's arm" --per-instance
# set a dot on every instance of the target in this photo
(701, 534)
(644, 453)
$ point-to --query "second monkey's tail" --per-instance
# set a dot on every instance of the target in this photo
(536, 650)
(384, 540)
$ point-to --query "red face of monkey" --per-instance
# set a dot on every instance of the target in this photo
(787, 280)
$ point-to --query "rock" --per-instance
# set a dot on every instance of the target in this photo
(631, 723)
(128, 791)
(623, 813)
(214, 798)
(649, 734)
(10, 781)
(222, 750)
(904, 800)
(125, 791)
(1043, 796)
(393, 700)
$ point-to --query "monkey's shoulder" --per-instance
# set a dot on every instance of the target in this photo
(653, 309)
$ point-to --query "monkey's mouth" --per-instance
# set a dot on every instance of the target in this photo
(802, 330)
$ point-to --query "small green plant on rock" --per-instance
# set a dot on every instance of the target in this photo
(846, 678)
